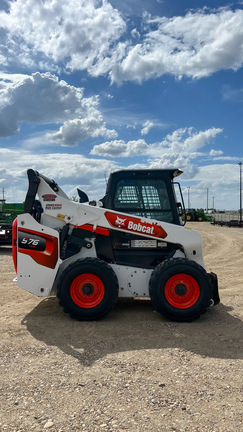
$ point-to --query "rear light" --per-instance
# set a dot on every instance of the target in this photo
(14, 242)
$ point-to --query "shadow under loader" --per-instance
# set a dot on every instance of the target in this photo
(132, 326)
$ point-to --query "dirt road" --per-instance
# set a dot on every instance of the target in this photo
(133, 371)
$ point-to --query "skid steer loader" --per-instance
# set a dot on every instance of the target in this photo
(131, 243)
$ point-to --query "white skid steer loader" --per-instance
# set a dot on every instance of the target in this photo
(131, 243)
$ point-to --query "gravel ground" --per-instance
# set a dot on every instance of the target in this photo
(134, 371)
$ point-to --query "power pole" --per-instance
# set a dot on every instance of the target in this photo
(240, 164)
(3, 199)
(188, 196)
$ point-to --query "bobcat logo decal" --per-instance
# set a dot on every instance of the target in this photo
(136, 225)
(120, 222)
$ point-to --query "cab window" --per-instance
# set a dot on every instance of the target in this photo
(143, 198)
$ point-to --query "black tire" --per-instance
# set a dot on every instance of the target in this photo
(189, 217)
(180, 289)
(87, 289)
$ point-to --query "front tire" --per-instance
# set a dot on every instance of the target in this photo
(180, 289)
(88, 289)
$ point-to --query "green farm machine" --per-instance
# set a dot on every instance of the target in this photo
(8, 212)
(197, 215)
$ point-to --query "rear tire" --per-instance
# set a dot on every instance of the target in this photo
(180, 289)
(88, 289)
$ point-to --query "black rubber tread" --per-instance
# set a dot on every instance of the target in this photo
(104, 272)
(166, 270)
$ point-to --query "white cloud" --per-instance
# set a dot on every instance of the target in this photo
(196, 140)
(181, 143)
(120, 148)
(78, 34)
(146, 127)
(174, 160)
(215, 152)
(135, 33)
(178, 150)
(43, 99)
(195, 45)
(76, 130)
(186, 140)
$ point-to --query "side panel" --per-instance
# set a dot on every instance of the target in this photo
(33, 277)
(133, 281)
(38, 259)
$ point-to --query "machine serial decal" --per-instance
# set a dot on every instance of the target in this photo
(49, 197)
(136, 225)
(144, 243)
(53, 206)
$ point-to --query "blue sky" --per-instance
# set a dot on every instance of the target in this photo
(88, 87)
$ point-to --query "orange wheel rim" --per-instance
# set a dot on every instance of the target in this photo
(182, 291)
(87, 290)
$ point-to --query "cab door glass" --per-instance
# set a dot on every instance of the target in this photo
(144, 198)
